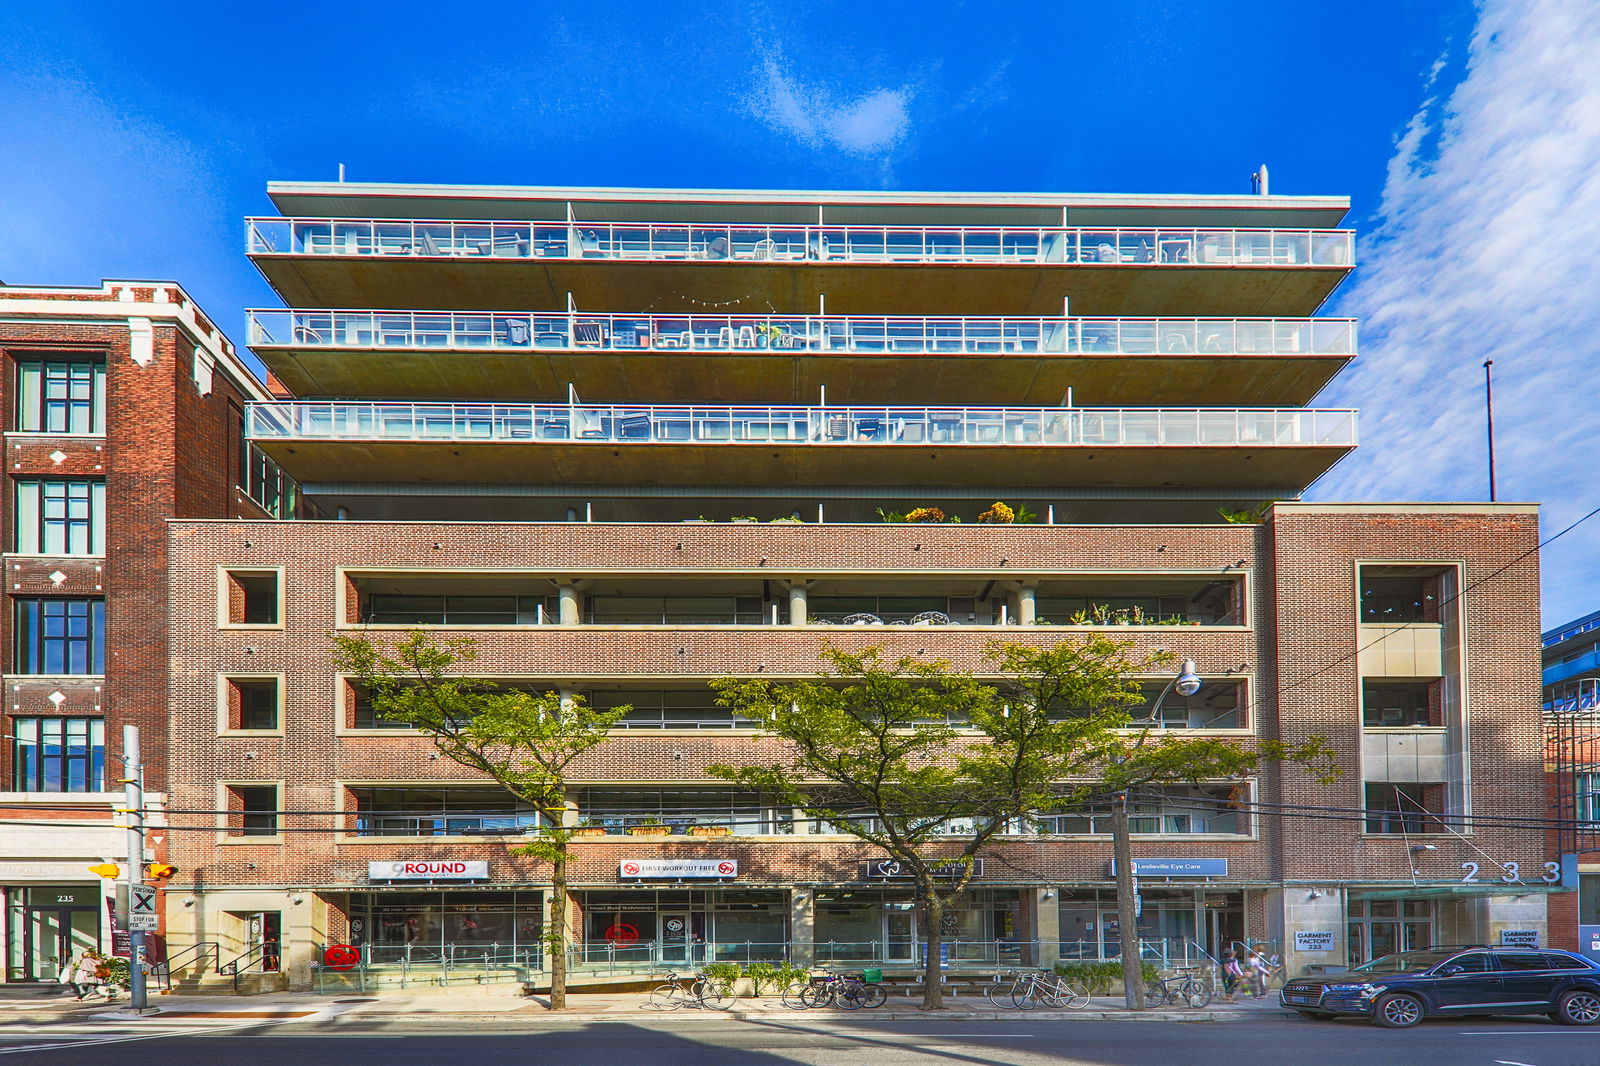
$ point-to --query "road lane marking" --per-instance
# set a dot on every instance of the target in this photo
(1508, 1062)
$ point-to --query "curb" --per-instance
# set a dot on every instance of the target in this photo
(791, 1016)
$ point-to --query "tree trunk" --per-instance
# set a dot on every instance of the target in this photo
(556, 937)
(932, 975)
(1127, 920)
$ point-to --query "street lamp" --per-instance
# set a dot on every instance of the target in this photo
(1186, 682)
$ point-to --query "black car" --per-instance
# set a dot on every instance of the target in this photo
(1400, 990)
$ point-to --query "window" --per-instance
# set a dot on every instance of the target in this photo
(253, 810)
(60, 636)
(1171, 811)
(1386, 597)
(668, 709)
(1477, 962)
(61, 396)
(1524, 961)
(61, 517)
(677, 610)
(1564, 962)
(1390, 704)
(58, 755)
(1215, 706)
(744, 813)
(441, 812)
(252, 597)
(393, 610)
(1411, 808)
(252, 702)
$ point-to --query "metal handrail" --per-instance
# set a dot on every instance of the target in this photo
(248, 960)
(162, 970)
(801, 426)
(1157, 246)
(875, 334)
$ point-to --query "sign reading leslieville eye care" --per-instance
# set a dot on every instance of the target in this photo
(678, 868)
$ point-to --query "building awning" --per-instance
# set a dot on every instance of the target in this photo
(1453, 891)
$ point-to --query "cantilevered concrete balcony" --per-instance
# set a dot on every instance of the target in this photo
(753, 445)
(789, 358)
(857, 269)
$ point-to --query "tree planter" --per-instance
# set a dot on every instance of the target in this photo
(584, 832)
(650, 831)
(710, 830)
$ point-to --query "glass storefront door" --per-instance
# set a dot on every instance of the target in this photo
(899, 935)
(47, 926)
(674, 937)
(1383, 926)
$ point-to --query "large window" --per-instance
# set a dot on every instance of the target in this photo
(1404, 809)
(61, 517)
(440, 812)
(58, 755)
(744, 813)
(61, 396)
(60, 635)
(1178, 810)
(450, 610)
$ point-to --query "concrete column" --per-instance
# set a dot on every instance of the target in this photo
(1027, 611)
(802, 926)
(1047, 926)
(571, 607)
(797, 603)
(1308, 909)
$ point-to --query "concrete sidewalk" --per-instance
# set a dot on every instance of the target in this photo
(496, 1005)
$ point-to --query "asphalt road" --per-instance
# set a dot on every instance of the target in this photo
(1269, 1041)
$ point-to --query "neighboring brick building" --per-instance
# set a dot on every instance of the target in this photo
(565, 487)
(1571, 657)
(122, 408)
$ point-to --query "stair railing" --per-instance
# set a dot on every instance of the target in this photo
(204, 951)
(256, 957)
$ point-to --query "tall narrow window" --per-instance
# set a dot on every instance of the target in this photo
(61, 396)
(61, 517)
(58, 755)
(253, 810)
(60, 635)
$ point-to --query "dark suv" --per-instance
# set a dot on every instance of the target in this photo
(1400, 990)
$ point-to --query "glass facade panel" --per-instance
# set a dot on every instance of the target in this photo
(58, 755)
(440, 812)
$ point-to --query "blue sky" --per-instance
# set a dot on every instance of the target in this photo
(132, 143)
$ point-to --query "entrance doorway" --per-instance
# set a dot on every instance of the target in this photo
(264, 939)
(1383, 926)
(48, 926)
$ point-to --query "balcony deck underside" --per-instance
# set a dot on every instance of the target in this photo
(795, 288)
(605, 462)
(781, 377)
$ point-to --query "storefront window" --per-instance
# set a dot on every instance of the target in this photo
(683, 927)
(432, 926)
(1177, 926)
(1383, 926)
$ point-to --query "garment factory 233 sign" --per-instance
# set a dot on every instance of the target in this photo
(678, 869)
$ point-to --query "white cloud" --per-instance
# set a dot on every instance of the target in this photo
(1488, 247)
(871, 123)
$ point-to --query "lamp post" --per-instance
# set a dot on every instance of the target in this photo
(1187, 683)
(1488, 410)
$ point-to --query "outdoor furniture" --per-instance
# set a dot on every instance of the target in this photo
(930, 618)
(588, 335)
(515, 333)
(862, 618)
(426, 245)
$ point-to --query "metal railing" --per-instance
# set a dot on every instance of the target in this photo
(882, 426)
(265, 956)
(1164, 246)
(522, 331)
(432, 965)
(193, 955)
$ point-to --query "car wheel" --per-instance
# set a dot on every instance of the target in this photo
(1578, 1007)
(1314, 1015)
(1398, 1011)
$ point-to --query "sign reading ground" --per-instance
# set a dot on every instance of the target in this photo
(1313, 940)
(1519, 938)
(678, 868)
(455, 870)
(1177, 868)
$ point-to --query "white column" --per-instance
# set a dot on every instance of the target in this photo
(1027, 612)
(571, 606)
(797, 603)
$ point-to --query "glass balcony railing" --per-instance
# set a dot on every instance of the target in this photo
(702, 425)
(522, 330)
(666, 241)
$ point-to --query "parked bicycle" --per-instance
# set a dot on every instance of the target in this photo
(702, 992)
(1183, 990)
(1027, 989)
(830, 989)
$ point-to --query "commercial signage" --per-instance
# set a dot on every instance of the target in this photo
(1519, 938)
(879, 869)
(1589, 941)
(1177, 868)
(450, 870)
(142, 916)
(683, 869)
(1313, 940)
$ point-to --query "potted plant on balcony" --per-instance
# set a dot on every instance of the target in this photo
(587, 828)
(710, 830)
(649, 827)
(925, 514)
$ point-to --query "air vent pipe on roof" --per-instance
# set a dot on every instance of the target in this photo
(1258, 181)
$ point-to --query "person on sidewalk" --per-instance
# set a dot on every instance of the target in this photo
(79, 974)
(1232, 974)
(1261, 971)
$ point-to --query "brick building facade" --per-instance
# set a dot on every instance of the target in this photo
(687, 479)
(123, 407)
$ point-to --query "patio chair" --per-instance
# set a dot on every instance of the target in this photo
(588, 335)
(426, 245)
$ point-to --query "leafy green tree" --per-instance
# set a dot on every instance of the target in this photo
(929, 764)
(524, 742)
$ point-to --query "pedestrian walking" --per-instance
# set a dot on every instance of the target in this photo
(1232, 974)
(1260, 973)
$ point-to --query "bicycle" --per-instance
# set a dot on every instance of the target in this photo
(1186, 990)
(701, 993)
(1046, 988)
(1005, 986)
(845, 991)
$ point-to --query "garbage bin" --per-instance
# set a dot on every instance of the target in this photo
(872, 977)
